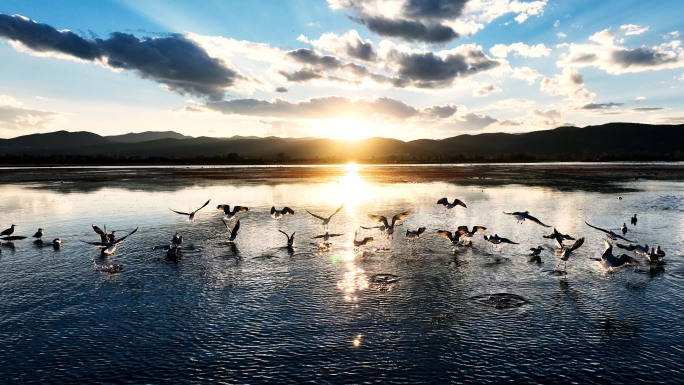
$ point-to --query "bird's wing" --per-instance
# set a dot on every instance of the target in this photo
(338, 209)
(179, 212)
(446, 234)
(273, 210)
(225, 223)
(597, 228)
(506, 240)
(203, 206)
(99, 244)
(288, 237)
(127, 235)
(319, 236)
(577, 244)
(621, 237)
(367, 240)
(626, 247)
(477, 229)
(535, 220)
(462, 230)
(421, 230)
(443, 201)
(319, 217)
(400, 217)
(98, 230)
(558, 238)
(379, 218)
(334, 235)
(234, 232)
(287, 210)
(460, 203)
(240, 209)
(370, 228)
(627, 260)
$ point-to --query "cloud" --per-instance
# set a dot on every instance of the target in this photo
(14, 116)
(569, 83)
(647, 109)
(547, 118)
(349, 46)
(639, 98)
(520, 49)
(615, 59)
(632, 29)
(486, 90)
(600, 106)
(174, 61)
(561, 35)
(474, 122)
(281, 89)
(525, 73)
(671, 120)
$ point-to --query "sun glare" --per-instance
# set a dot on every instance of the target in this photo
(349, 128)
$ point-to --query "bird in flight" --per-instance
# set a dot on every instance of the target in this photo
(234, 230)
(522, 215)
(326, 220)
(361, 242)
(457, 202)
(389, 226)
(191, 215)
(290, 239)
(609, 261)
(230, 214)
(566, 251)
(277, 214)
(497, 240)
(108, 247)
(609, 233)
(415, 234)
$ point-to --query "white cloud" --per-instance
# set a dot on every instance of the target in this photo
(569, 83)
(639, 98)
(561, 35)
(14, 116)
(632, 29)
(526, 73)
(486, 90)
(520, 49)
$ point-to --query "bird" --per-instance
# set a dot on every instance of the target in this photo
(624, 228)
(447, 234)
(535, 251)
(415, 234)
(445, 202)
(39, 234)
(464, 232)
(326, 220)
(522, 215)
(326, 237)
(655, 256)
(659, 252)
(566, 251)
(111, 237)
(234, 231)
(191, 216)
(9, 231)
(290, 238)
(558, 237)
(633, 220)
(362, 242)
(637, 249)
(109, 247)
(609, 233)
(277, 214)
(177, 239)
(56, 243)
(563, 236)
(102, 233)
(609, 261)
(230, 214)
(389, 227)
(496, 240)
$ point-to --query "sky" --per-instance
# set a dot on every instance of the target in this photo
(404, 69)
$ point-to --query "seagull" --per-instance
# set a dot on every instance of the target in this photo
(609, 261)
(290, 238)
(655, 256)
(56, 243)
(177, 239)
(496, 240)
(464, 232)
(9, 231)
(623, 229)
(447, 234)
(389, 227)
(111, 237)
(445, 202)
(109, 247)
(558, 237)
(325, 220)
(566, 251)
(102, 233)
(326, 236)
(234, 231)
(535, 251)
(277, 214)
(415, 234)
(362, 242)
(191, 216)
(563, 236)
(230, 214)
(659, 252)
(637, 249)
(609, 233)
(522, 215)
(39, 234)
(633, 220)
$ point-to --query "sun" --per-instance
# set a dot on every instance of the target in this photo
(349, 128)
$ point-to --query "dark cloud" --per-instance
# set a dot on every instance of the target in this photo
(361, 50)
(441, 112)
(600, 106)
(647, 109)
(303, 75)
(309, 56)
(427, 70)
(282, 89)
(409, 30)
(174, 61)
(437, 9)
(642, 57)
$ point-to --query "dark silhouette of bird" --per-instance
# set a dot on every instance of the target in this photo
(609, 261)
(415, 234)
(389, 226)
(109, 247)
(633, 220)
(521, 216)
(290, 238)
(497, 240)
(326, 220)
(8, 232)
(230, 214)
(234, 230)
(191, 215)
(609, 233)
(277, 214)
(361, 242)
(624, 228)
(457, 202)
(565, 252)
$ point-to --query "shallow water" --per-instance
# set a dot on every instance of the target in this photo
(397, 311)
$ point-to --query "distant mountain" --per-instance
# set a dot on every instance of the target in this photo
(146, 136)
(621, 141)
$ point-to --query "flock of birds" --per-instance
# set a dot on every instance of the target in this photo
(462, 237)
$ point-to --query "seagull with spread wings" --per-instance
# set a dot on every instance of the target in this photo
(326, 220)
(234, 230)
(191, 215)
(230, 214)
(521, 216)
(447, 205)
(389, 226)
(609, 261)
(278, 214)
(108, 247)
(610, 234)
(290, 239)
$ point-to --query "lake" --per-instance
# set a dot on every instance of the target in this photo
(394, 311)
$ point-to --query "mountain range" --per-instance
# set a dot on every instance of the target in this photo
(630, 140)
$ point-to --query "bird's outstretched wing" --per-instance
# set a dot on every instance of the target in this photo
(179, 212)
(379, 218)
(459, 203)
(577, 244)
(234, 232)
(506, 240)
(287, 210)
(225, 223)
(98, 244)
(334, 235)
(127, 235)
(535, 220)
(288, 237)
(400, 217)
(240, 209)
(338, 210)
(446, 234)
(556, 236)
(477, 229)
(203, 206)
(420, 231)
(627, 247)
(366, 241)
(443, 201)
(98, 230)
(317, 216)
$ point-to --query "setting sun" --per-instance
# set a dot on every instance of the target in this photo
(349, 128)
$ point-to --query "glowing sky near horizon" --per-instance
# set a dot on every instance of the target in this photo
(405, 69)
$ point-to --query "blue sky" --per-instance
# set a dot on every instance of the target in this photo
(406, 69)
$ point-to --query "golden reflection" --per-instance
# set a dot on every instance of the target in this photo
(353, 280)
(357, 340)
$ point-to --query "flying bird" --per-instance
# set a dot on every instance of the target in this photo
(535, 251)
(633, 220)
(566, 251)
(361, 242)
(563, 236)
(107, 247)
(415, 234)
(277, 214)
(497, 240)
(102, 233)
(522, 215)
(326, 220)
(447, 234)
(230, 214)
(609, 261)
(191, 216)
(234, 231)
(290, 238)
(637, 249)
(609, 233)
(464, 232)
(8, 232)
(326, 237)
(389, 227)
(457, 202)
